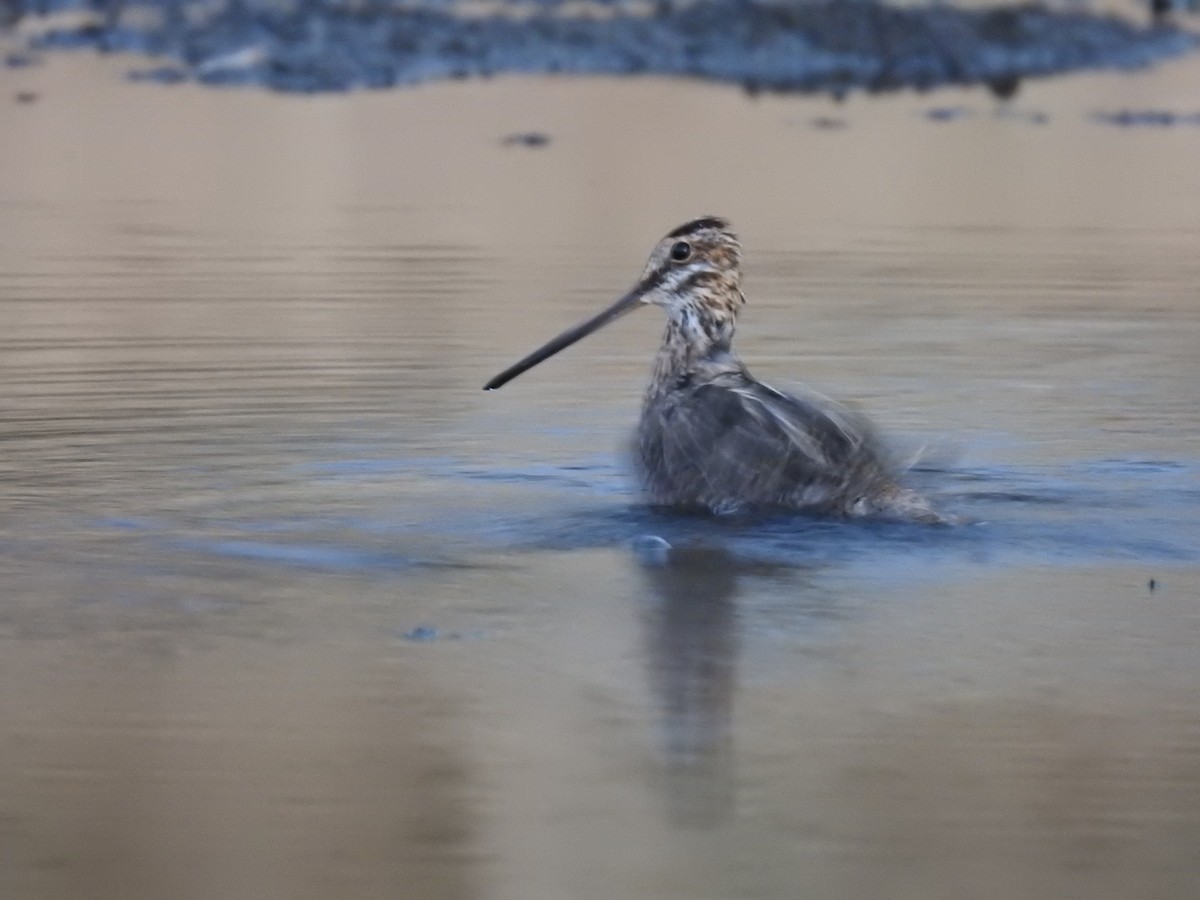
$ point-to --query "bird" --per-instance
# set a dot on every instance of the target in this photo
(714, 439)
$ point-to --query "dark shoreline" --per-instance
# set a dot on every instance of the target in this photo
(833, 46)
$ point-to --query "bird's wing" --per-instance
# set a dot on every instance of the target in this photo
(732, 441)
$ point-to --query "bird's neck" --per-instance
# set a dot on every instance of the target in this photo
(696, 338)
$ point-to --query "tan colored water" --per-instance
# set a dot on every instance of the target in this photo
(245, 454)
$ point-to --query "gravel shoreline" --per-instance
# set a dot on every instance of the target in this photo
(832, 46)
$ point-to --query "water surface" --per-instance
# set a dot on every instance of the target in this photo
(293, 609)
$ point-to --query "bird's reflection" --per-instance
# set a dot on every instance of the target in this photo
(692, 640)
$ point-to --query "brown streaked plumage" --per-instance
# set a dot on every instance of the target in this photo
(712, 437)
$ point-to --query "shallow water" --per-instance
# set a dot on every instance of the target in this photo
(293, 609)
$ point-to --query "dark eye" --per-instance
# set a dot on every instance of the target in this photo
(681, 251)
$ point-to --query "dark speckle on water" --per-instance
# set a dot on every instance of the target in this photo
(159, 75)
(422, 633)
(1153, 118)
(527, 139)
(21, 60)
(947, 113)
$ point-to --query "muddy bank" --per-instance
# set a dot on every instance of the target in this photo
(833, 46)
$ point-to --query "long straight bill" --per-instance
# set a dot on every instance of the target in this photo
(566, 339)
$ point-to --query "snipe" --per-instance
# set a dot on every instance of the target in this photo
(711, 436)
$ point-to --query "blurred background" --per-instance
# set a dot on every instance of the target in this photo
(290, 608)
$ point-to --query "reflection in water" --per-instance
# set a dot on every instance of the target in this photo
(692, 636)
(691, 630)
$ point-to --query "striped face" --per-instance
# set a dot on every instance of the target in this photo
(696, 265)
